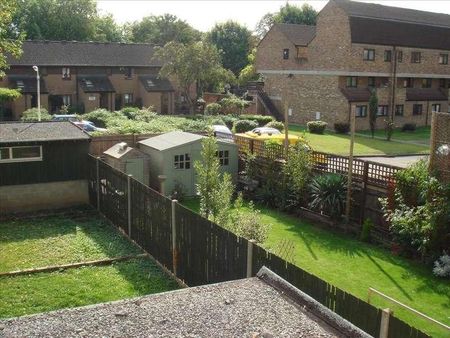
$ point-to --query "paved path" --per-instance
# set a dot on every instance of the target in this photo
(398, 161)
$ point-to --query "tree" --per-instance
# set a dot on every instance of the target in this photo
(107, 30)
(7, 95)
(189, 64)
(57, 19)
(8, 46)
(162, 29)
(215, 190)
(248, 73)
(373, 110)
(234, 43)
(305, 15)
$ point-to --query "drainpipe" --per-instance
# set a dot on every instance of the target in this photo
(394, 83)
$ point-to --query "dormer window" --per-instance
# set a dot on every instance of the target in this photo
(286, 53)
(20, 84)
(88, 83)
(65, 73)
(150, 83)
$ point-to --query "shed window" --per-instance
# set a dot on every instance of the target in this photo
(224, 157)
(182, 161)
(21, 154)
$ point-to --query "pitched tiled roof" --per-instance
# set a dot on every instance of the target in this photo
(26, 84)
(299, 35)
(356, 94)
(152, 83)
(95, 84)
(375, 11)
(385, 25)
(40, 131)
(72, 53)
(425, 94)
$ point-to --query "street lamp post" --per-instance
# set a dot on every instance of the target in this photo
(36, 69)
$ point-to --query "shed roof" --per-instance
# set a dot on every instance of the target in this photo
(120, 150)
(40, 131)
(170, 140)
(263, 306)
(299, 35)
(74, 53)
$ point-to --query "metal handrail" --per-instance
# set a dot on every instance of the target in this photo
(406, 307)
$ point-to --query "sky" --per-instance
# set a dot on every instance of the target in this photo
(202, 15)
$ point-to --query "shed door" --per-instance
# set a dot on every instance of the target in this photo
(135, 167)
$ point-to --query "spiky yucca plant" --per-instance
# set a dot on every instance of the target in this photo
(328, 193)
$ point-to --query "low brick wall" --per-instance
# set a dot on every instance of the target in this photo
(33, 197)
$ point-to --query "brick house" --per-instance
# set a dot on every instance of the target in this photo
(89, 75)
(323, 71)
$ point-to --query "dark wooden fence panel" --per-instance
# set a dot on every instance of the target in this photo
(151, 222)
(113, 195)
(206, 252)
(92, 180)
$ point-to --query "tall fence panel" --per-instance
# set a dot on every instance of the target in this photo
(151, 221)
(206, 252)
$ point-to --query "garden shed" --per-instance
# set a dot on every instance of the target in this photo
(129, 160)
(42, 165)
(172, 157)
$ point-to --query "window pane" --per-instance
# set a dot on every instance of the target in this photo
(176, 158)
(188, 165)
(225, 161)
(187, 157)
(226, 153)
(181, 165)
(26, 152)
(220, 153)
(4, 153)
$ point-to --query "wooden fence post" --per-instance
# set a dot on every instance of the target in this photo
(98, 182)
(364, 191)
(250, 257)
(129, 203)
(174, 238)
(384, 325)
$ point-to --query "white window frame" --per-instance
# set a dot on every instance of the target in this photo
(224, 160)
(361, 110)
(128, 98)
(65, 73)
(23, 159)
(67, 100)
(434, 106)
(181, 164)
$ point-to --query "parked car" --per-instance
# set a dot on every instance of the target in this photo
(88, 126)
(222, 132)
(71, 118)
(267, 133)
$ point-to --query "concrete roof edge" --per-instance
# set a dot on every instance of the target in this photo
(310, 304)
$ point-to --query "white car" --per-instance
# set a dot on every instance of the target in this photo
(222, 132)
(266, 130)
(88, 126)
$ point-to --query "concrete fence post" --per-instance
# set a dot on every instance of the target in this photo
(129, 203)
(98, 182)
(174, 238)
(250, 257)
(384, 325)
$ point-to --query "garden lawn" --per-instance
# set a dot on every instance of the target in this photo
(56, 240)
(420, 135)
(331, 142)
(27, 294)
(355, 266)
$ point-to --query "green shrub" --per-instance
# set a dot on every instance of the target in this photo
(276, 124)
(102, 117)
(145, 114)
(129, 111)
(233, 105)
(328, 194)
(409, 127)
(342, 127)
(217, 121)
(243, 126)
(31, 115)
(365, 231)
(213, 109)
(229, 120)
(316, 127)
(262, 120)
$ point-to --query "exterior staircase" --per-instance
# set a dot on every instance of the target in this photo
(269, 105)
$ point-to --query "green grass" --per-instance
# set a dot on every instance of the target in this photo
(24, 295)
(420, 135)
(355, 266)
(331, 142)
(54, 241)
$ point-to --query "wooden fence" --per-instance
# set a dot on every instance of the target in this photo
(201, 252)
